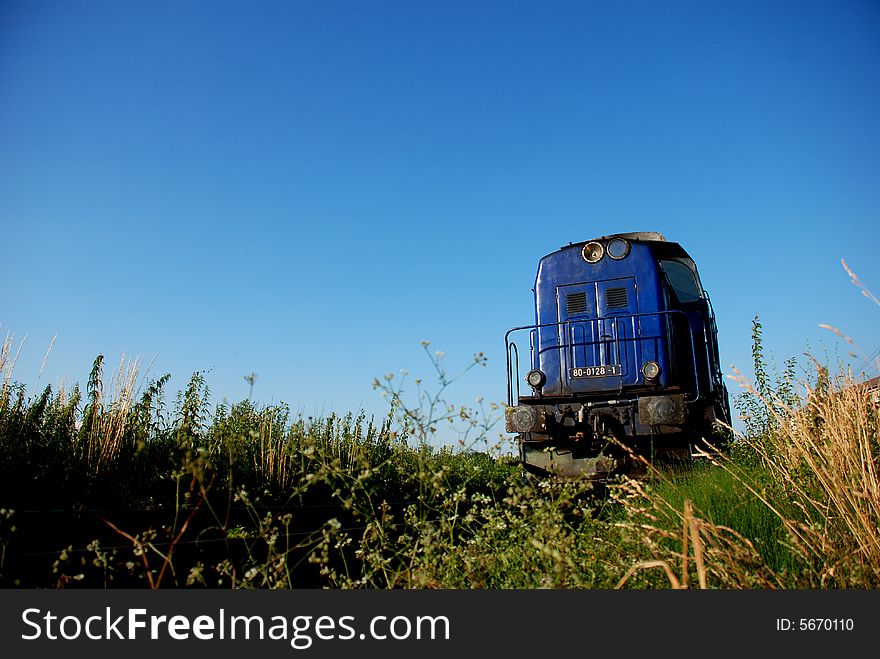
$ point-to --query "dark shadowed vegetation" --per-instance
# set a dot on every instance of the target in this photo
(114, 486)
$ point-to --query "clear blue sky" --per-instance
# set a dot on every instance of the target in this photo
(307, 190)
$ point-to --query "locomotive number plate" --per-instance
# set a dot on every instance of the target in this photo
(595, 371)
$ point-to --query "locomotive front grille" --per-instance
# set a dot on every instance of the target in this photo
(576, 303)
(615, 298)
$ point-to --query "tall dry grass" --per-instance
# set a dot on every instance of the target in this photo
(7, 364)
(107, 416)
(810, 461)
(825, 457)
(816, 472)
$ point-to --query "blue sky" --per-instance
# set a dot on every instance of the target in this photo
(308, 190)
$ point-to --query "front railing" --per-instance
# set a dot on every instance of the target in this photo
(564, 347)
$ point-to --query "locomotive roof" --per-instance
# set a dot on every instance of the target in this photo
(637, 236)
(652, 237)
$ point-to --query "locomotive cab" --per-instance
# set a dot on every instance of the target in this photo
(623, 360)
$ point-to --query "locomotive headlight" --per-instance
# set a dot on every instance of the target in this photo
(593, 252)
(536, 378)
(618, 249)
(651, 370)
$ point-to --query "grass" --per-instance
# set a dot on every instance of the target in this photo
(794, 504)
(114, 487)
(721, 499)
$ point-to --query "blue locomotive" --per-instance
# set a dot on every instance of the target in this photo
(624, 364)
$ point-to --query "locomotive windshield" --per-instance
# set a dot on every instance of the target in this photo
(682, 279)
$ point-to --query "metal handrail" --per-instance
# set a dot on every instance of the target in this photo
(567, 323)
(515, 377)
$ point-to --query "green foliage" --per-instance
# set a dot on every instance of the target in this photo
(251, 496)
(720, 497)
(191, 412)
(421, 417)
(771, 394)
(239, 496)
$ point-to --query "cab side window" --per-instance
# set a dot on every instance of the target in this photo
(681, 280)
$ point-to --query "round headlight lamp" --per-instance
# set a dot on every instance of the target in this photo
(651, 370)
(617, 249)
(593, 252)
(536, 379)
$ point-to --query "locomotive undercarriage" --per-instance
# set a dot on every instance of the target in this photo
(599, 439)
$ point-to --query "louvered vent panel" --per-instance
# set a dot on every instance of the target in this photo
(576, 303)
(615, 298)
